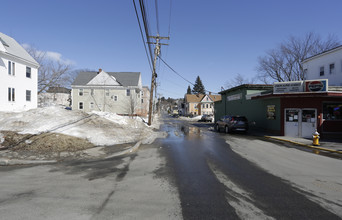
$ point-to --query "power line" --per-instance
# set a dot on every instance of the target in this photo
(170, 17)
(182, 76)
(142, 36)
(175, 71)
(157, 15)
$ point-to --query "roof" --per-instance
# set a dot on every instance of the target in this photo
(58, 90)
(13, 48)
(124, 78)
(301, 95)
(322, 53)
(249, 86)
(199, 97)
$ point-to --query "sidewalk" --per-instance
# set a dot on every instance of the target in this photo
(333, 145)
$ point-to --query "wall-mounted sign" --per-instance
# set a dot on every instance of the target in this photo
(234, 97)
(288, 87)
(271, 112)
(320, 85)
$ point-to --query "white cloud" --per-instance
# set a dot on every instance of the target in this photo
(54, 56)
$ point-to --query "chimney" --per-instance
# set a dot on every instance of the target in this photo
(100, 70)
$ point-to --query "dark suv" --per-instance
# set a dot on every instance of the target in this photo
(232, 123)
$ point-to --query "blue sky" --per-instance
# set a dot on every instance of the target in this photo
(213, 39)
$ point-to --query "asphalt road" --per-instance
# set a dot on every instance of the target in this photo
(191, 174)
(215, 183)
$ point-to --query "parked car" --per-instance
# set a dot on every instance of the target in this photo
(232, 123)
(208, 118)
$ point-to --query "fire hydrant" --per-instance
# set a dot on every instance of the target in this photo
(315, 137)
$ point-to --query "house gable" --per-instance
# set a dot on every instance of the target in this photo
(103, 79)
(206, 98)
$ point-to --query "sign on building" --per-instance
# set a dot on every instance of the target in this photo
(320, 85)
(234, 97)
(288, 87)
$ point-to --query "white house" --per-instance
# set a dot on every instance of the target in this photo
(18, 76)
(117, 92)
(326, 65)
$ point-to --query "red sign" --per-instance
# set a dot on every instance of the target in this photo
(316, 86)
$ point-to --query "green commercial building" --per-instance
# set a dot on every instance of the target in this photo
(262, 114)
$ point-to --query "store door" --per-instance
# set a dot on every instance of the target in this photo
(309, 123)
(292, 117)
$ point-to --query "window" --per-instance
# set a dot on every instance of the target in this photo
(11, 68)
(115, 98)
(107, 92)
(92, 92)
(80, 92)
(91, 105)
(321, 71)
(28, 95)
(28, 72)
(11, 94)
(332, 111)
(305, 73)
(332, 68)
(80, 105)
(206, 105)
(142, 100)
(128, 92)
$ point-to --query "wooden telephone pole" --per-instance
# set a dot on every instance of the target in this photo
(154, 74)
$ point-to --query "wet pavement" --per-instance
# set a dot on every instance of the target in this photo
(214, 182)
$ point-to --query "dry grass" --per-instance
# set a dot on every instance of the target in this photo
(44, 143)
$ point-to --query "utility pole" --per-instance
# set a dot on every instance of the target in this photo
(154, 74)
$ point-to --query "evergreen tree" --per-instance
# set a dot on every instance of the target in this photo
(189, 90)
(198, 87)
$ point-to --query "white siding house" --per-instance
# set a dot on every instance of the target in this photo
(326, 65)
(18, 76)
(117, 92)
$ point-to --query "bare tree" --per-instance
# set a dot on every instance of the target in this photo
(284, 62)
(239, 80)
(51, 72)
(132, 105)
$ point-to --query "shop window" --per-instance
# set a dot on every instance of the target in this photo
(332, 111)
(292, 115)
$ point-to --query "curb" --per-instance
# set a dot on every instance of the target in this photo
(305, 145)
(9, 162)
(130, 150)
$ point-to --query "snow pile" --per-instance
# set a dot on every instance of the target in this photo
(100, 128)
(196, 118)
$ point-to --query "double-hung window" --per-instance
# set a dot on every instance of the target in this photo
(11, 68)
(321, 71)
(332, 68)
(28, 72)
(11, 94)
(28, 95)
(80, 92)
(128, 92)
